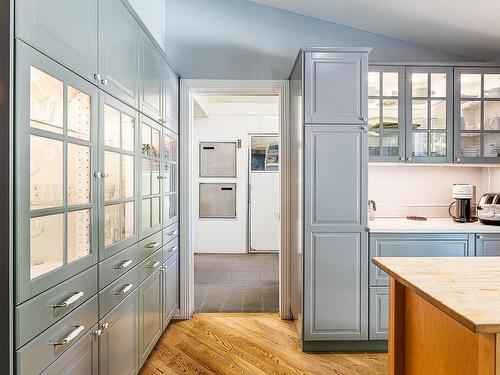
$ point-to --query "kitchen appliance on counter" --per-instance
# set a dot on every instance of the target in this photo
(465, 203)
(488, 209)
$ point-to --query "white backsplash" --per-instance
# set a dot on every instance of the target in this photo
(410, 190)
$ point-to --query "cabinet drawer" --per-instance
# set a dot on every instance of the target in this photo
(38, 354)
(41, 312)
(414, 245)
(117, 265)
(379, 313)
(149, 245)
(149, 265)
(117, 291)
(170, 232)
(170, 248)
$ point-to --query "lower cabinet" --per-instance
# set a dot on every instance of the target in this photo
(378, 320)
(150, 314)
(170, 284)
(118, 342)
(487, 245)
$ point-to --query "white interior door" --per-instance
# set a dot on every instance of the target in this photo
(264, 193)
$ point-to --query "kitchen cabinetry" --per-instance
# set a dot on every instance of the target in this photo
(170, 98)
(119, 40)
(64, 30)
(170, 283)
(488, 245)
(151, 83)
(169, 176)
(56, 153)
(335, 87)
(118, 340)
(150, 313)
(379, 313)
(386, 113)
(477, 115)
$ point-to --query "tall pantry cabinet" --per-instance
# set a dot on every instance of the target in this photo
(329, 107)
(96, 188)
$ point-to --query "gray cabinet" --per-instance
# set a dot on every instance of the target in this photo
(150, 79)
(170, 284)
(119, 338)
(170, 98)
(378, 321)
(335, 87)
(65, 30)
(335, 286)
(169, 177)
(55, 156)
(119, 51)
(150, 314)
(477, 115)
(488, 245)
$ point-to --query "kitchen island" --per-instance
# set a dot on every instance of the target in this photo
(444, 315)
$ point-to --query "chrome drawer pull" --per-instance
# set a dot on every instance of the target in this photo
(75, 297)
(172, 233)
(152, 245)
(124, 290)
(173, 248)
(154, 265)
(123, 264)
(70, 337)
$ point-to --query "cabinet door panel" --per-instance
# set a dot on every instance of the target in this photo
(171, 98)
(335, 87)
(65, 30)
(170, 288)
(335, 287)
(118, 51)
(488, 245)
(379, 313)
(150, 79)
(150, 314)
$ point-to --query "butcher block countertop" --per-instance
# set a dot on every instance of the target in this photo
(466, 289)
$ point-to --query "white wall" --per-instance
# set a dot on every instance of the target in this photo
(401, 190)
(228, 122)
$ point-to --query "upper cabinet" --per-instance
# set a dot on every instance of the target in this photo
(170, 98)
(65, 30)
(151, 66)
(477, 115)
(119, 41)
(386, 120)
(335, 88)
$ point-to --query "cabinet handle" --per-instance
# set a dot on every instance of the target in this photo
(402, 158)
(479, 237)
(409, 158)
(97, 77)
(123, 264)
(71, 300)
(98, 332)
(172, 233)
(104, 81)
(105, 325)
(364, 128)
(173, 248)
(124, 290)
(101, 174)
(458, 159)
(70, 337)
(151, 245)
(363, 118)
(153, 265)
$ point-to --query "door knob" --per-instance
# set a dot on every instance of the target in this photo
(104, 82)
(458, 159)
(402, 158)
(410, 159)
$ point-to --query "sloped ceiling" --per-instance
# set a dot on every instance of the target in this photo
(467, 28)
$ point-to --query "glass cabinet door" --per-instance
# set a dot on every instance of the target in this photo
(386, 113)
(429, 110)
(56, 199)
(117, 172)
(169, 175)
(477, 115)
(150, 217)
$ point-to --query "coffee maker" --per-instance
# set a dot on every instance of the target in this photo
(465, 203)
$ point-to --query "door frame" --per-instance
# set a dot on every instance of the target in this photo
(249, 191)
(188, 88)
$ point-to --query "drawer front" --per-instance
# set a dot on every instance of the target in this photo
(379, 313)
(149, 245)
(117, 291)
(170, 232)
(39, 313)
(170, 248)
(414, 245)
(38, 354)
(150, 265)
(117, 265)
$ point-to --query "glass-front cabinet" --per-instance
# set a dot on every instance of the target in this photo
(150, 218)
(386, 113)
(429, 114)
(56, 194)
(118, 175)
(169, 177)
(477, 115)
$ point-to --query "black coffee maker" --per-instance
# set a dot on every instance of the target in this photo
(465, 207)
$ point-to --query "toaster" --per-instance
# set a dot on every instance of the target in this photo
(488, 209)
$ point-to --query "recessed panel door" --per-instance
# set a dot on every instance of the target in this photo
(169, 178)
(150, 79)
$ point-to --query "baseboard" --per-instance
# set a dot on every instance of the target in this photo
(345, 346)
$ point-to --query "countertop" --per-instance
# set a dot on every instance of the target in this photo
(441, 225)
(466, 289)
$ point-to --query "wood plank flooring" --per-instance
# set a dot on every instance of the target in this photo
(248, 344)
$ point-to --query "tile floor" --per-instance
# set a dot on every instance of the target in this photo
(236, 283)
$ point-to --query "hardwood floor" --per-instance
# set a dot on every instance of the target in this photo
(248, 344)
